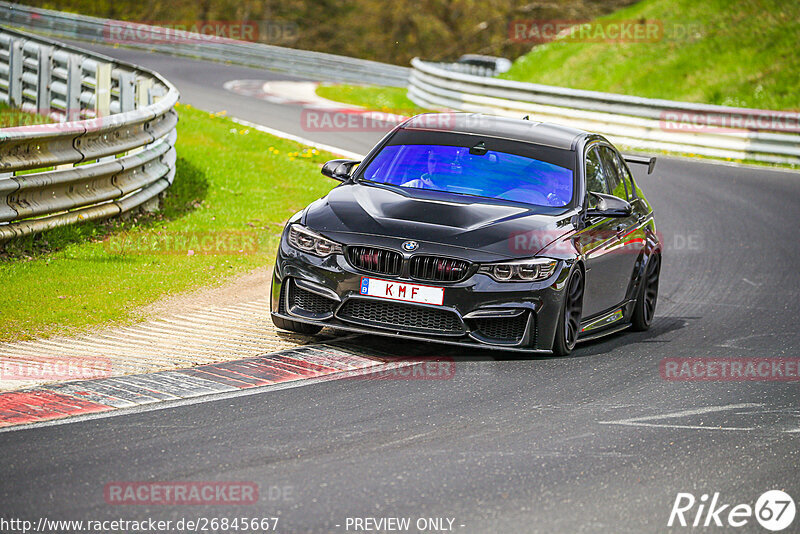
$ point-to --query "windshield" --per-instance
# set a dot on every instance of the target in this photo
(483, 173)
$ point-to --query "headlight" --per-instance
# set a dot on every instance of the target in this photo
(520, 270)
(304, 239)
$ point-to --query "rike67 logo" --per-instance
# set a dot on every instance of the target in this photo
(774, 510)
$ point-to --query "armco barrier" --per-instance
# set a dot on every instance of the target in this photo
(317, 65)
(111, 150)
(650, 124)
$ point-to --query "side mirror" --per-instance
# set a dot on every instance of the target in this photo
(609, 206)
(339, 169)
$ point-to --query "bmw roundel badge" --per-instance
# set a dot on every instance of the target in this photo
(408, 246)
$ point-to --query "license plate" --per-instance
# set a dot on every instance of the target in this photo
(375, 287)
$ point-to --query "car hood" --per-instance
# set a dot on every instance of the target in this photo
(504, 230)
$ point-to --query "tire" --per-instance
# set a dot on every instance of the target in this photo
(645, 307)
(295, 326)
(569, 319)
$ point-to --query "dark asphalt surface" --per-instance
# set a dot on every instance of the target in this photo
(507, 444)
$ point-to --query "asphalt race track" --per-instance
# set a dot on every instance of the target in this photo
(595, 442)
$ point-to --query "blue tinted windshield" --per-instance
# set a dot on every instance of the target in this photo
(454, 170)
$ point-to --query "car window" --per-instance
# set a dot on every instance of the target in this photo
(624, 173)
(595, 175)
(614, 181)
(457, 169)
(628, 178)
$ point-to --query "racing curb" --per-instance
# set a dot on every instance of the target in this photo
(59, 401)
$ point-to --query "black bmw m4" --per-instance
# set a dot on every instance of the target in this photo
(475, 230)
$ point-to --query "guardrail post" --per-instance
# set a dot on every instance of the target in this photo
(43, 104)
(157, 93)
(143, 87)
(73, 97)
(127, 89)
(102, 88)
(102, 96)
(15, 62)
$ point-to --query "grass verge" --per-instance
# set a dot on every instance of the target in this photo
(233, 185)
(373, 97)
(740, 53)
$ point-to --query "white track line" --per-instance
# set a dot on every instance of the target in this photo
(639, 421)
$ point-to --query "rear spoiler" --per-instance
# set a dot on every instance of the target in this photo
(642, 160)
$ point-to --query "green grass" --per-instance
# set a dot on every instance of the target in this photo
(739, 53)
(229, 179)
(386, 99)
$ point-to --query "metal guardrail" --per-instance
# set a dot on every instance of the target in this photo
(640, 123)
(317, 65)
(111, 151)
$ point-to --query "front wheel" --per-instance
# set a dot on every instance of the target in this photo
(569, 323)
(645, 307)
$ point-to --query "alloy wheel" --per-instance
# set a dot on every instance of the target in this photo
(573, 309)
(651, 287)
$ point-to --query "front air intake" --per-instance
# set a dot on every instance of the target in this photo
(375, 260)
(436, 269)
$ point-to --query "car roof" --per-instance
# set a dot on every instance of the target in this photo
(540, 133)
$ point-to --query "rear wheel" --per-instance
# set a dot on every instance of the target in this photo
(569, 323)
(645, 307)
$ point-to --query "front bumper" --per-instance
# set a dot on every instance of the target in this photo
(477, 312)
